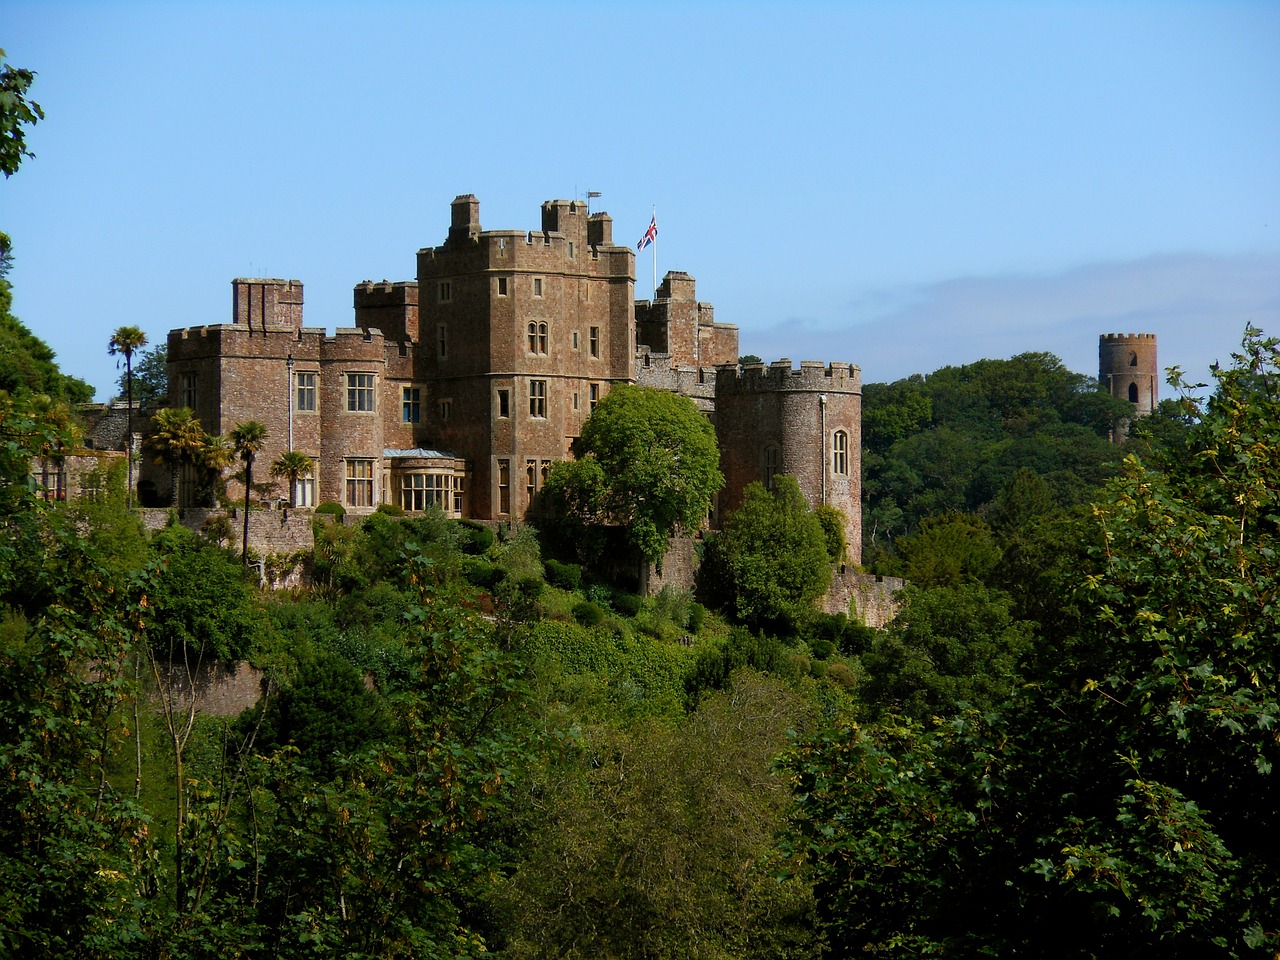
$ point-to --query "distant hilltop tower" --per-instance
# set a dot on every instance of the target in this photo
(1127, 367)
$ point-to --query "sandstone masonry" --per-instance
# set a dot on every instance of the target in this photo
(462, 388)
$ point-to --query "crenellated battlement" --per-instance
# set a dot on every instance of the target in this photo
(1122, 337)
(812, 376)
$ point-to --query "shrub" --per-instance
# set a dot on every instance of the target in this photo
(587, 613)
(821, 649)
(481, 573)
(390, 509)
(566, 576)
(476, 537)
(333, 509)
(627, 604)
(697, 617)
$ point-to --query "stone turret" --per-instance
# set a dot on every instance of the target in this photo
(807, 423)
(1128, 369)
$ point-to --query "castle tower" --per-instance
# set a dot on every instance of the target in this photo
(772, 420)
(521, 334)
(1128, 369)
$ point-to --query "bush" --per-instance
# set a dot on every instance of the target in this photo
(390, 509)
(481, 573)
(587, 613)
(566, 576)
(627, 604)
(697, 617)
(333, 509)
(476, 537)
(821, 649)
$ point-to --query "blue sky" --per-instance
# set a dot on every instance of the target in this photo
(900, 185)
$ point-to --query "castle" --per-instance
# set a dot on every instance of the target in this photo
(460, 390)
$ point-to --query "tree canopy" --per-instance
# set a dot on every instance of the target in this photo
(771, 557)
(1117, 803)
(647, 461)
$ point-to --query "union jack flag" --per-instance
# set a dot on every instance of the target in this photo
(650, 235)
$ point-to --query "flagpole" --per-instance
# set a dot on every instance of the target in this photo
(655, 254)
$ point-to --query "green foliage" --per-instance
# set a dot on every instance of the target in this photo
(27, 362)
(1118, 804)
(833, 521)
(476, 537)
(771, 557)
(587, 613)
(201, 605)
(608, 671)
(69, 845)
(16, 113)
(150, 376)
(324, 711)
(647, 461)
(715, 662)
(291, 466)
(331, 508)
(567, 576)
(948, 551)
(657, 840)
(948, 647)
(951, 441)
(112, 532)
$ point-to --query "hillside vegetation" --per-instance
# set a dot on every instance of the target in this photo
(470, 744)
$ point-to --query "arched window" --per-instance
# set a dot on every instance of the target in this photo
(1133, 393)
(840, 453)
(769, 465)
(537, 337)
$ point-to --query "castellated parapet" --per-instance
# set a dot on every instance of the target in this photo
(338, 398)
(463, 387)
(263, 304)
(389, 307)
(521, 334)
(676, 324)
(1129, 370)
(807, 422)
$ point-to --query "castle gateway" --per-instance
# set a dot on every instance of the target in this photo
(460, 390)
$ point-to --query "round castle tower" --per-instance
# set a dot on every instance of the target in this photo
(807, 423)
(1128, 369)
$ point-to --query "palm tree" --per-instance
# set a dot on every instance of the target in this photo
(177, 439)
(248, 438)
(217, 454)
(126, 341)
(292, 466)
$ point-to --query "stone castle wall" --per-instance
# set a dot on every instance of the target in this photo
(774, 419)
(218, 689)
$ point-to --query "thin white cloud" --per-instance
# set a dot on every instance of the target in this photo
(1197, 305)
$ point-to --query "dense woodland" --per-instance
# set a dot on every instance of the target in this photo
(477, 742)
(474, 743)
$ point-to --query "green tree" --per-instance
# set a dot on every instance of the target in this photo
(248, 438)
(949, 550)
(771, 557)
(1118, 803)
(16, 113)
(178, 440)
(150, 376)
(126, 341)
(949, 647)
(291, 467)
(656, 840)
(72, 850)
(648, 462)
